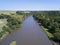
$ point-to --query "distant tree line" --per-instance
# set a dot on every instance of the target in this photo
(23, 12)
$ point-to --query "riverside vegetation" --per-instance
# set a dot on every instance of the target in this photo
(9, 21)
(50, 23)
(48, 20)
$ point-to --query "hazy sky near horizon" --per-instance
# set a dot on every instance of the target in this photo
(29, 4)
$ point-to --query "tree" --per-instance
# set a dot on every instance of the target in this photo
(57, 34)
(7, 29)
(19, 12)
(52, 29)
(0, 34)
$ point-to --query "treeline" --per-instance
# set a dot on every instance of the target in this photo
(51, 21)
(23, 12)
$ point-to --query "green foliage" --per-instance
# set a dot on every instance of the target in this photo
(52, 29)
(19, 12)
(49, 20)
(57, 34)
(2, 33)
(4, 16)
(23, 12)
(13, 23)
(13, 43)
(6, 29)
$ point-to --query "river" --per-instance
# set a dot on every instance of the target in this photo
(30, 34)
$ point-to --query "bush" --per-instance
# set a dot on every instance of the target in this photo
(4, 16)
(52, 29)
(7, 29)
(57, 34)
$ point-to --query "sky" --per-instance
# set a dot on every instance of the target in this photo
(30, 5)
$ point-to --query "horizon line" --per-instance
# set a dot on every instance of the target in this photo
(33, 10)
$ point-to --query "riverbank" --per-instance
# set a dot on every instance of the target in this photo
(12, 15)
(29, 34)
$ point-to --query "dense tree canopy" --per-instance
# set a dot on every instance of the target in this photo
(50, 20)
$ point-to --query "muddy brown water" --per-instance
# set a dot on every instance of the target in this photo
(29, 34)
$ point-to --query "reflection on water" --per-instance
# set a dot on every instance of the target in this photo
(29, 34)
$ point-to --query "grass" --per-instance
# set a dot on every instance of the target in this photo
(54, 43)
(3, 22)
(47, 33)
(3, 36)
(13, 43)
(7, 12)
(19, 17)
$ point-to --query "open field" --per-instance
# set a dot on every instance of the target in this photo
(8, 12)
